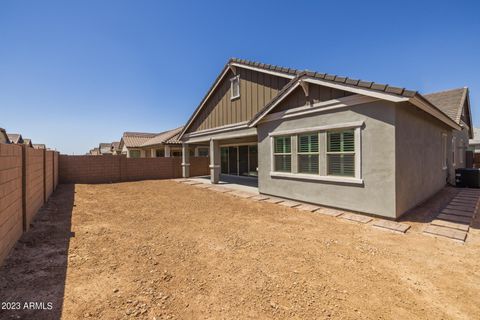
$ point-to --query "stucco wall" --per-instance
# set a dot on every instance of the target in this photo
(377, 194)
(419, 156)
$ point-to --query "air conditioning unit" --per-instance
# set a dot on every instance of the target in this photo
(467, 178)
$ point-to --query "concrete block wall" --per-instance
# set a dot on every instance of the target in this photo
(26, 181)
(11, 207)
(35, 184)
(107, 169)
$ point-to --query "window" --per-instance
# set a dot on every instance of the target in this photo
(308, 153)
(444, 151)
(203, 152)
(282, 154)
(134, 153)
(176, 153)
(235, 87)
(160, 153)
(341, 153)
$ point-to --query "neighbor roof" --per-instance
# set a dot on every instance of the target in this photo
(27, 142)
(39, 146)
(136, 139)
(476, 136)
(170, 137)
(14, 137)
(4, 136)
(449, 101)
(115, 145)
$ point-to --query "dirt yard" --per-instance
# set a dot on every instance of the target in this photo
(165, 250)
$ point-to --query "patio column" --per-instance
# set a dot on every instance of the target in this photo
(167, 151)
(214, 161)
(153, 153)
(185, 161)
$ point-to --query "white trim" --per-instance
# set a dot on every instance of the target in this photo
(239, 144)
(235, 78)
(365, 92)
(347, 125)
(185, 164)
(213, 166)
(444, 151)
(319, 107)
(275, 73)
(358, 152)
(301, 176)
(435, 112)
(454, 151)
(227, 127)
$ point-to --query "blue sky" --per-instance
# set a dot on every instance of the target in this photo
(76, 73)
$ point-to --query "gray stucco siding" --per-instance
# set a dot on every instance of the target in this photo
(377, 194)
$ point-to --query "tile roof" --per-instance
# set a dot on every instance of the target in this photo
(333, 78)
(115, 145)
(170, 136)
(136, 139)
(449, 101)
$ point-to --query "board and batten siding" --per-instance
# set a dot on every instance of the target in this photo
(316, 94)
(256, 90)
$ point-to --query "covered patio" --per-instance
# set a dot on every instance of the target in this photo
(247, 184)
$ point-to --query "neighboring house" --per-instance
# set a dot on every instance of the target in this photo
(3, 136)
(105, 148)
(474, 143)
(39, 146)
(28, 142)
(115, 148)
(15, 138)
(151, 145)
(95, 152)
(327, 139)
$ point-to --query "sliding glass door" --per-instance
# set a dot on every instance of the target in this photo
(241, 160)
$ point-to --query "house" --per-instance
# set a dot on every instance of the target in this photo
(328, 139)
(115, 148)
(39, 146)
(15, 138)
(105, 148)
(474, 143)
(95, 152)
(151, 145)
(3, 136)
(28, 142)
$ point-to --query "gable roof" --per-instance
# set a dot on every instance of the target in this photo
(368, 88)
(28, 142)
(169, 137)
(15, 137)
(343, 83)
(115, 145)
(136, 139)
(449, 101)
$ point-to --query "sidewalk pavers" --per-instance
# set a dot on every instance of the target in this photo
(273, 200)
(242, 194)
(220, 189)
(391, 225)
(356, 217)
(203, 186)
(330, 212)
(449, 224)
(307, 207)
(446, 232)
(259, 197)
(289, 203)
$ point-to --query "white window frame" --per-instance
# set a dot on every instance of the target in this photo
(357, 179)
(281, 154)
(340, 152)
(232, 81)
(444, 151)
(307, 153)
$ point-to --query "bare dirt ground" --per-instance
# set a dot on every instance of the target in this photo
(164, 250)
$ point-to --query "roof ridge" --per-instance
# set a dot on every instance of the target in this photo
(446, 90)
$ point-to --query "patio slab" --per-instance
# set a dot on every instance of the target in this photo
(453, 218)
(449, 224)
(307, 207)
(330, 212)
(446, 232)
(391, 225)
(461, 207)
(356, 217)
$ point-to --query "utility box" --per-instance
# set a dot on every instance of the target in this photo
(467, 178)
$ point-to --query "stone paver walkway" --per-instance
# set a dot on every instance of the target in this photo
(454, 220)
